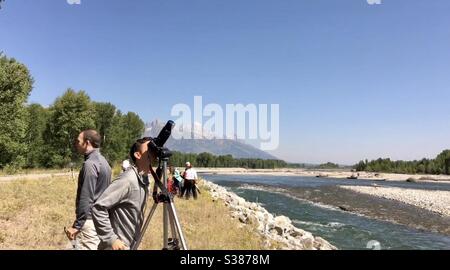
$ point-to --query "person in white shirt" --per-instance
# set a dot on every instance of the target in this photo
(190, 177)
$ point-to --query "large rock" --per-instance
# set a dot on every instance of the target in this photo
(254, 206)
(322, 244)
(296, 232)
(307, 242)
(242, 218)
(282, 224)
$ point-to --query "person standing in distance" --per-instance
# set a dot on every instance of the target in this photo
(190, 178)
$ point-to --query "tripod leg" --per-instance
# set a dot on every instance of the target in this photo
(165, 208)
(177, 224)
(174, 243)
(172, 225)
(165, 227)
(144, 228)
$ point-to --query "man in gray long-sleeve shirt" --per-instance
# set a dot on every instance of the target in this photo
(94, 178)
(119, 212)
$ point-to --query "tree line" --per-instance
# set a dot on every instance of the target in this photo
(32, 136)
(179, 159)
(438, 165)
(328, 165)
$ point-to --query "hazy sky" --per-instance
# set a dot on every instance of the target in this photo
(353, 80)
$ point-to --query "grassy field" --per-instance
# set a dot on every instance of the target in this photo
(34, 171)
(33, 214)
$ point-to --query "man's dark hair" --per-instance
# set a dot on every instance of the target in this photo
(92, 136)
(135, 147)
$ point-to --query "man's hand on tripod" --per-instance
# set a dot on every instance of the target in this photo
(119, 245)
(71, 233)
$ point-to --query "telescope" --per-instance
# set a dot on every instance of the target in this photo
(157, 144)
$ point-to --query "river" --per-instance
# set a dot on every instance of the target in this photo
(346, 219)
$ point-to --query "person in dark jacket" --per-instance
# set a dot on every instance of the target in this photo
(94, 178)
(119, 213)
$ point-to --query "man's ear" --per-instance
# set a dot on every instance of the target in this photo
(137, 155)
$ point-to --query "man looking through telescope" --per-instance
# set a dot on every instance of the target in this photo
(119, 212)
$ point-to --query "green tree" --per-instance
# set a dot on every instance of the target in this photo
(442, 163)
(70, 114)
(37, 121)
(116, 146)
(119, 133)
(205, 160)
(104, 118)
(15, 86)
(133, 126)
(328, 165)
(108, 122)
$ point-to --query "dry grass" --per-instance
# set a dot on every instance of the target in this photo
(33, 214)
(33, 171)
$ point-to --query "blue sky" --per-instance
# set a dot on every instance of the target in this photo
(353, 80)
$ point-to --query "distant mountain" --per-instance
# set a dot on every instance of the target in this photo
(236, 148)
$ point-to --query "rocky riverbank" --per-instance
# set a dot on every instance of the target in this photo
(433, 200)
(278, 229)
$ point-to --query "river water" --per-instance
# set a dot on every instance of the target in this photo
(346, 219)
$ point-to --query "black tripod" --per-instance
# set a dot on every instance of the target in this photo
(169, 213)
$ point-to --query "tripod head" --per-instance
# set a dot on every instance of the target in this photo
(163, 153)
